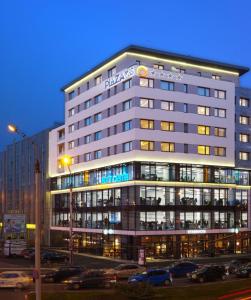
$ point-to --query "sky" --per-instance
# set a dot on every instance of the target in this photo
(46, 44)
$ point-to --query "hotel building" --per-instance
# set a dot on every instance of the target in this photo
(160, 147)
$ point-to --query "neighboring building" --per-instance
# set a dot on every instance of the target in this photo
(17, 183)
(160, 147)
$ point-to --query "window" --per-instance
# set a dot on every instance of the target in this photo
(167, 147)
(216, 77)
(108, 93)
(167, 126)
(185, 107)
(160, 67)
(111, 72)
(127, 125)
(115, 129)
(98, 117)
(166, 85)
(78, 91)
(146, 124)
(147, 145)
(97, 154)
(108, 112)
(203, 150)
(204, 130)
(87, 156)
(220, 94)
(203, 110)
(179, 70)
(219, 151)
(244, 102)
(61, 148)
(185, 128)
(71, 95)
(221, 132)
(87, 139)
(243, 155)
(98, 99)
(146, 103)
(87, 104)
(244, 120)
(71, 112)
(71, 128)
(127, 104)
(127, 84)
(97, 135)
(108, 131)
(220, 112)
(185, 88)
(146, 82)
(185, 148)
(167, 105)
(115, 148)
(244, 138)
(202, 91)
(115, 109)
(88, 121)
(98, 79)
(61, 134)
(71, 145)
(127, 147)
(87, 85)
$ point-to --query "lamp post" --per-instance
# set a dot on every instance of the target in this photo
(67, 161)
(37, 272)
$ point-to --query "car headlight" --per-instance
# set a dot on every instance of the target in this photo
(133, 280)
(194, 276)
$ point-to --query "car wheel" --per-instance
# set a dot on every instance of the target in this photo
(76, 286)
(201, 280)
(19, 286)
(223, 277)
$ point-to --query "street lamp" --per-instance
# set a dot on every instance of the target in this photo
(66, 160)
(37, 272)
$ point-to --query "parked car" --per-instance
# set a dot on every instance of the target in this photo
(61, 274)
(244, 271)
(15, 279)
(208, 273)
(14, 247)
(236, 264)
(90, 279)
(123, 271)
(154, 277)
(51, 257)
(180, 269)
(28, 253)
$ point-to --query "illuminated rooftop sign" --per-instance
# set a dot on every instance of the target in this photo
(115, 178)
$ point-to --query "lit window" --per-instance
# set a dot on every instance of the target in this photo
(203, 150)
(202, 91)
(71, 128)
(146, 124)
(244, 120)
(146, 82)
(87, 139)
(98, 117)
(166, 85)
(204, 130)
(111, 72)
(61, 148)
(71, 112)
(244, 138)
(220, 112)
(127, 84)
(244, 102)
(243, 155)
(167, 105)
(88, 121)
(127, 147)
(98, 79)
(179, 70)
(147, 145)
(146, 103)
(221, 132)
(216, 77)
(71, 95)
(219, 151)
(71, 145)
(127, 104)
(87, 156)
(185, 88)
(87, 104)
(98, 99)
(203, 110)
(127, 125)
(168, 126)
(220, 94)
(97, 154)
(167, 147)
(97, 135)
(160, 67)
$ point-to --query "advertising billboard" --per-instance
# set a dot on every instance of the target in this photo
(14, 223)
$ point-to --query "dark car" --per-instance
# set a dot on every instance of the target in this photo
(156, 277)
(244, 271)
(181, 269)
(208, 273)
(28, 253)
(51, 257)
(61, 274)
(236, 264)
(90, 279)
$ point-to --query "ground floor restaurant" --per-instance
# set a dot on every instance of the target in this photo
(168, 246)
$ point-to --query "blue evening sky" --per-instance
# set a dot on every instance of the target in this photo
(45, 44)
